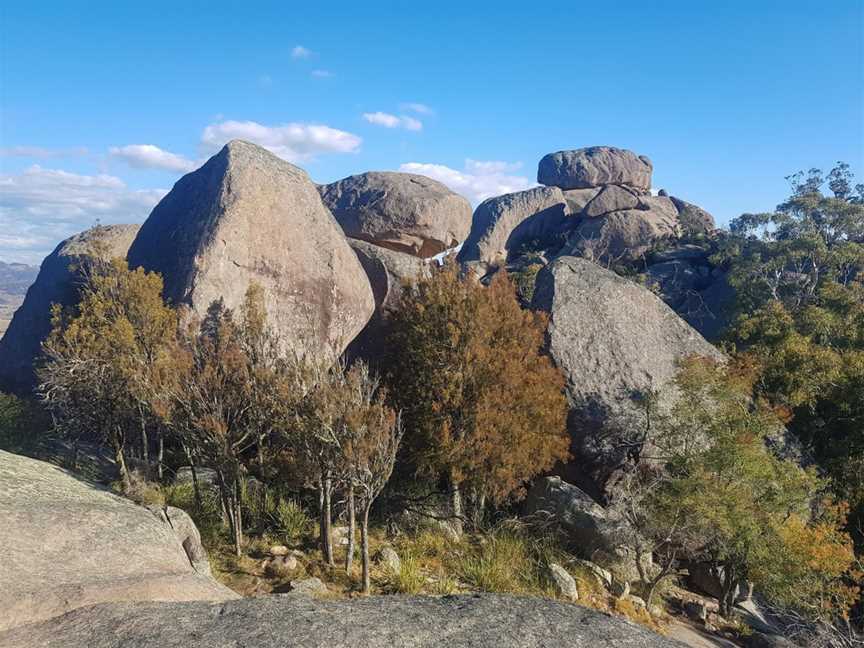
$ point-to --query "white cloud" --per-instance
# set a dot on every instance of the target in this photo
(39, 152)
(419, 108)
(39, 207)
(300, 52)
(322, 74)
(148, 156)
(294, 142)
(392, 121)
(478, 180)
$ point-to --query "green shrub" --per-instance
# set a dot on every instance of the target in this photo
(290, 520)
(409, 579)
(207, 516)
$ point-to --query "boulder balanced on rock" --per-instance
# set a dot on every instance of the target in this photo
(248, 216)
(401, 211)
(56, 284)
(594, 167)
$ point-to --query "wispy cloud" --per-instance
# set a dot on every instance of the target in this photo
(265, 81)
(39, 152)
(295, 142)
(322, 74)
(40, 207)
(300, 52)
(478, 180)
(419, 108)
(148, 156)
(393, 121)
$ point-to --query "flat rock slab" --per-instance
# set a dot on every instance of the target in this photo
(481, 621)
(67, 543)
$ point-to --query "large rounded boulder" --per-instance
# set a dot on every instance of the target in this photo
(248, 216)
(57, 283)
(616, 342)
(503, 224)
(595, 166)
(68, 544)
(629, 233)
(401, 211)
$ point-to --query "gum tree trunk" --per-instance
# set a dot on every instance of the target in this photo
(352, 530)
(364, 548)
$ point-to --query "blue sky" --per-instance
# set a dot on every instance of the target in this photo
(104, 105)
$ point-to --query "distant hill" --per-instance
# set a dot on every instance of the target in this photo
(15, 279)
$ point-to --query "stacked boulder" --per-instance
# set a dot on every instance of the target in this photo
(596, 202)
(396, 223)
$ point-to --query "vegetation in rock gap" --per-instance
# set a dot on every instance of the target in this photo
(484, 408)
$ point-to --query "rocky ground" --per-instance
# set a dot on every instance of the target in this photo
(478, 621)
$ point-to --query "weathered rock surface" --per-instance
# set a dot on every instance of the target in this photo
(610, 199)
(388, 272)
(502, 224)
(594, 167)
(627, 234)
(67, 544)
(614, 340)
(693, 218)
(247, 216)
(402, 211)
(600, 535)
(55, 284)
(565, 584)
(481, 621)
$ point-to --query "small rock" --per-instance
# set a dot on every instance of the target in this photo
(656, 611)
(563, 582)
(278, 550)
(308, 587)
(637, 602)
(696, 610)
(621, 589)
(603, 576)
(389, 559)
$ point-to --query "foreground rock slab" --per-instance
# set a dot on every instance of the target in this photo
(484, 621)
(66, 544)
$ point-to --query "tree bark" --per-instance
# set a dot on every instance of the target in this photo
(238, 523)
(352, 530)
(328, 518)
(160, 454)
(456, 504)
(145, 442)
(364, 548)
(323, 519)
(121, 461)
(196, 489)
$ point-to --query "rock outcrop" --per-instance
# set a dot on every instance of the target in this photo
(388, 272)
(627, 234)
(248, 216)
(401, 211)
(479, 621)
(56, 283)
(68, 544)
(614, 340)
(593, 167)
(600, 535)
(596, 204)
(505, 223)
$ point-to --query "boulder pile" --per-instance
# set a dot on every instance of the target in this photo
(596, 202)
